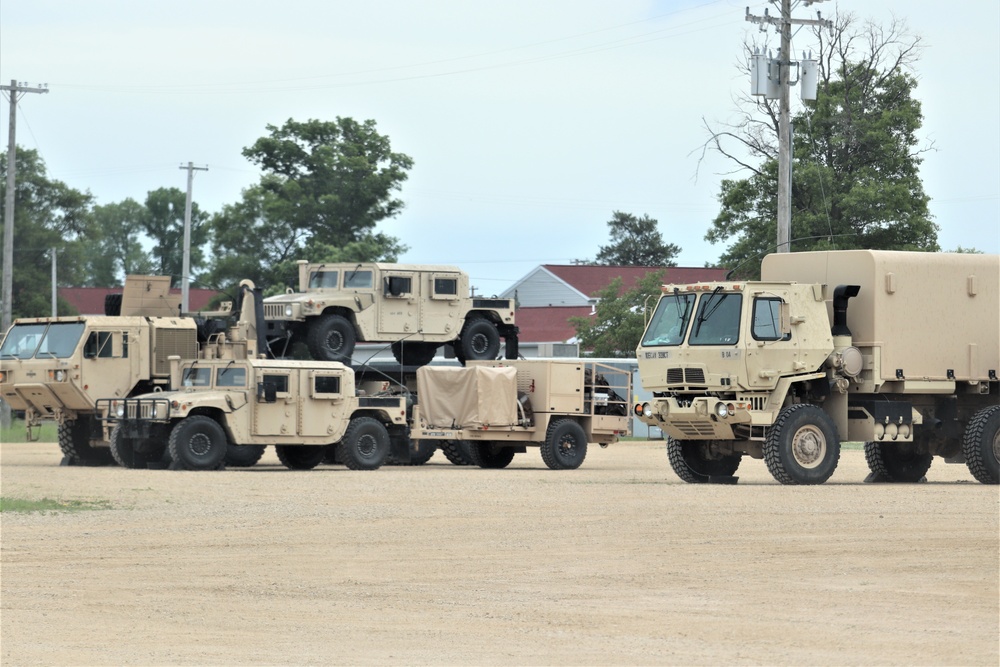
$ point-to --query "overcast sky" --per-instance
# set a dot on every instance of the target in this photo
(529, 122)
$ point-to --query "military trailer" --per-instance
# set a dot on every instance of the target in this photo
(57, 368)
(898, 350)
(499, 408)
(416, 308)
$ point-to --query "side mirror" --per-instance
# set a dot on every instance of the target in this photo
(267, 392)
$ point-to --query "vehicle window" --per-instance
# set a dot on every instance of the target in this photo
(321, 279)
(22, 341)
(717, 321)
(196, 376)
(125, 344)
(231, 376)
(100, 344)
(326, 384)
(60, 340)
(446, 286)
(398, 285)
(670, 320)
(767, 319)
(280, 382)
(357, 279)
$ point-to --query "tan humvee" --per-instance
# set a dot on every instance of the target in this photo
(898, 350)
(499, 408)
(230, 398)
(56, 368)
(417, 308)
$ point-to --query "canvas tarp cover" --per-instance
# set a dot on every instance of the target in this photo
(468, 397)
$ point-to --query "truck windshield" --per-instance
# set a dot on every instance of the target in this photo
(670, 320)
(320, 279)
(718, 320)
(56, 340)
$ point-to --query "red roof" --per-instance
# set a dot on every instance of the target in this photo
(548, 325)
(591, 279)
(90, 300)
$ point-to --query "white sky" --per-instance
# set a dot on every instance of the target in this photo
(529, 121)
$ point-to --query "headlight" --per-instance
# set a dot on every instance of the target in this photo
(57, 376)
(647, 410)
(288, 310)
(721, 411)
(119, 410)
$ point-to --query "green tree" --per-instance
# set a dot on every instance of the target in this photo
(164, 224)
(856, 157)
(47, 214)
(619, 320)
(120, 227)
(325, 187)
(636, 242)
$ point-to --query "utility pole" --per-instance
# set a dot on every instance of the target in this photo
(55, 290)
(784, 64)
(186, 261)
(8, 210)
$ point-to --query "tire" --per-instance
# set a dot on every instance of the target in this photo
(113, 304)
(692, 466)
(332, 455)
(565, 445)
(421, 452)
(198, 443)
(74, 442)
(331, 338)
(479, 340)
(981, 445)
(488, 454)
(897, 461)
(414, 354)
(457, 451)
(132, 453)
(243, 456)
(300, 457)
(365, 445)
(802, 446)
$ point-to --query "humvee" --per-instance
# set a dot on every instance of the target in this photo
(899, 350)
(233, 398)
(56, 368)
(416, 308)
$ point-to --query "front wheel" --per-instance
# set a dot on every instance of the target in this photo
(981, 445)
(479, 340)
(365, 445)
(198, 443)
(565, 445)
(300, 457)
(331, 338)
(690, 461)
(897, 461)
(76, 446)
(490, 455)
(802, 446)
(132, 453)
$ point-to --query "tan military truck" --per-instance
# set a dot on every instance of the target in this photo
(499, 408)
(417, 308)
(232, 398)
(56, 368)
(897, 350)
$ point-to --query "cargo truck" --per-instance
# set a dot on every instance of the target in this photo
(898, 350)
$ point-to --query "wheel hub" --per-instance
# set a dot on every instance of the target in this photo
(996, 445)
(809, 447)
(480, 343)
(200, 444)
(366, 445)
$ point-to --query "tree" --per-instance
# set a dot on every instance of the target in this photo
(636, 242)
(164, 224)
(120, 227)
(48, 214)
(856, 157)
(325, 187)
(619, 321)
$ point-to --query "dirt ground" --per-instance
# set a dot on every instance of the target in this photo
(617, 563)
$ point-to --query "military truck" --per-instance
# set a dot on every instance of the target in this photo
(231, 397)
(898, 350)
(499, 408)
(57, 368)
(416, 308)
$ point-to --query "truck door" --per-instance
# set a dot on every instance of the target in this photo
(400, 299)
(445, 295)
(769, 354)
(110, 364)
(323, 410)
(277, 416)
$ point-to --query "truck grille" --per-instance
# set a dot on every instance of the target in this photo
(274, 311)
(685, 376)
(695, 429)
(182, 342)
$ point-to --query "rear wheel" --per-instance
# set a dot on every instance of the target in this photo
(75, 444)
(479, 340)
(690, 462)
(300, 457)
(414, 354)
(565, 445)
(897, 461)
(802, 446)
(198, 443)
(365, 445)
(490, 455)
(457, 451)
(243, 456)
(331, 338)
(981, 445)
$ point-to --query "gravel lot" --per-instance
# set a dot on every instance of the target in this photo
(617, 563)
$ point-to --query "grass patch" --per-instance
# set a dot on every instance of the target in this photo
(48, 432)
(50, 505)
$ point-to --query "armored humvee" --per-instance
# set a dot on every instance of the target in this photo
(899, 350)
(233, 398)
(417, 308)
(56, 368)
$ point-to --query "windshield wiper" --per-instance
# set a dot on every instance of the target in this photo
(705, 312)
